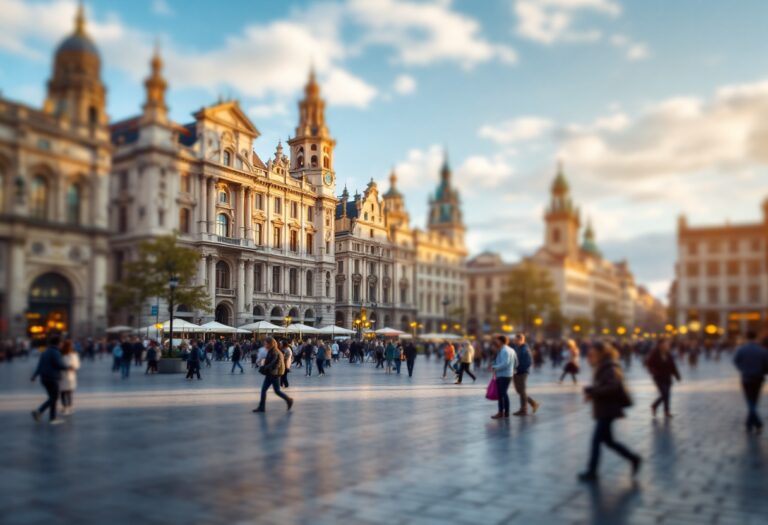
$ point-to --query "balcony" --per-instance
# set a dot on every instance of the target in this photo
(228, 240)
(225, 292)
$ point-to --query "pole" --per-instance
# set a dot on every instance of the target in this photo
(170, 309)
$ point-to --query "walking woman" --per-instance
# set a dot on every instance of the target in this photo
(572, 366)
(662, 367)
(273, 368)
(389, 354)
(504, 367)
(285, 348)
(68, 381)
(609, 398)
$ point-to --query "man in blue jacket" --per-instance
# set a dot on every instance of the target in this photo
(49, 368)
(521, 376)
(752, 361)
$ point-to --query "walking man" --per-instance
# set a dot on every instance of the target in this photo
(410, 357)
(237, 354)
(466, 358)
(308, 353)
(752, 361)
(521, 376)
(49, 368)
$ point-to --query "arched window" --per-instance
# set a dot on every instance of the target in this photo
(38, 198)
(93, 115)
(326, 162)
(73, 204)
(222, 275)
(184, 220)
(314, 161)
(293, 281)
(300, 158)
(227, 158)
(222, 225)
(310, 284)
(223, 197)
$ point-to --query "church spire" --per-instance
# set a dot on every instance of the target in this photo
(80, 20)
(312, 111)
(155, 107)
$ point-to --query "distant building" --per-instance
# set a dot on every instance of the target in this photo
(54, 175)
(722, 276)
(487, 279)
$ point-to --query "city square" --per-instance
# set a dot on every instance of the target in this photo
(363, 447)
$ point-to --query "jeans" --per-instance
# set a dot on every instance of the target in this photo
(502, 385)
(52, 389)
(520, 381)
(409, 363)
(308, 365)
(465, 369)
(321, 366)
(192, 369)
(665, 387)
(115, 364)
(125, 368)
(237, 364)
(284, 379)
(603, 434)
(274, 382)
(446, 366)
(398, 364)
(752, 389)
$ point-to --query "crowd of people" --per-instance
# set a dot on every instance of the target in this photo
(510, 360)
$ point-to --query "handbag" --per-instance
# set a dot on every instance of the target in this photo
(492, 392)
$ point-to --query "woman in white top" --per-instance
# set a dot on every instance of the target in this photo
(68, 381)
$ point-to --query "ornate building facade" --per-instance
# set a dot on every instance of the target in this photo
(264, 231)
(54, 175)
(722, 276)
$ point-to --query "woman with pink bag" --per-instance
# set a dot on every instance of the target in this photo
(504, 369)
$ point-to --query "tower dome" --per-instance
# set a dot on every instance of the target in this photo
(79, 41)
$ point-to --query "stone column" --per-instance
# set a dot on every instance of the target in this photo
(212, 281)
(249, 287)
(17, 286)
(248, 214)
(240, 215)
(202, 204)
(212, 205)
(201, 267)
(240, 291)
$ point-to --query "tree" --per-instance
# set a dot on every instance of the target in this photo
(529, 295)
(148, 276)
(606, 317)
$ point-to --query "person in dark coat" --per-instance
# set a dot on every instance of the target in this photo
(127, 359)
(662, 367)
(410, 357)
(49, 368)
(752, 361)
(609, 398)
(194, 357)
(273, 368)
(237, 354)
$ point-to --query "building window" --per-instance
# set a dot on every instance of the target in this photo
(258, 234)
(161, 218)
(713, 269)
(339, 293)
(341, 267)
(119, 258)
(326, 162)
(733, 295)
(185, 184)
(275, 279)
(357, 265)
(327, 284)
(222, 275)
(310, 213)
(753, 267)
(693, 296)
(754, 293)
(294, 210)
(38, 198)
(238, 163)
(715, 246)
(310, 284)
(222, 225)
(277, 240)
(692, 269)
(73, 204)
(713, 296)
(555, 235)
(356, 293)
(314, 161)
(404, 295)
(294, 241)
(123, 176)
(293, 281)
(732, 268)
(755, 245)
(122, 219)
(258, 270)
(227, 158)
(258, 201)
(223, 197)
(693, 248)
(184, 220)
(278, 205)
(310, 243)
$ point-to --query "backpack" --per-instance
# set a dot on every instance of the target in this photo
(117, 351)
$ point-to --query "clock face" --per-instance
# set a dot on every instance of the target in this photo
(328, 179)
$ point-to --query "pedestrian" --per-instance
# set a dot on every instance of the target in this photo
(49, 368)
(752, 361)
(237, 354)
(335, 352)
(288, 358)
(466, 358)
(328, 354)
(521, 376)
(117, 355)
(320, 358)
(138, 351)
(662, 367)
(609, 398)
(308, 353)
(389, 354)
(399, 357)
(410, 357)
(273, 368)
(379, 352)
(68, 381)
(572, 366)
(125, 363)
(152, 358)
(193, 361)
(504, 369)
(449, 353)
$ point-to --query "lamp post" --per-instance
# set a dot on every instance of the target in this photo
(173, 282)
(413, 325)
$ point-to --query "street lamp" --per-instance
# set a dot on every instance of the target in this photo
(413, 326)
(173, 282)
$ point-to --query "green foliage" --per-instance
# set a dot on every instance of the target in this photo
(530, 294)
(605, 316)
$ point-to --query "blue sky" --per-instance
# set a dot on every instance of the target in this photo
(656, 108)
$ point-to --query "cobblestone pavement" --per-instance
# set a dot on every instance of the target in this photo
(364, 448)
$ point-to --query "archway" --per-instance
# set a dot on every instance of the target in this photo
(50, 305)
(258, 313)
(387, 321)
(309, 317)
(340, 319)
(405, 323)
(224, 314)
(276, 315)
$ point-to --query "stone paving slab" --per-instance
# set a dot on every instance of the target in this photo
(362, 447)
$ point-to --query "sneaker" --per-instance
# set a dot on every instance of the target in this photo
(535, 406)
(497, 416)
(520, 413)
(36, 415)
(669, 415)
(258, 410)
(637, 462)
(457, 383)
(290, 403)
(587, 477)
(56, 421)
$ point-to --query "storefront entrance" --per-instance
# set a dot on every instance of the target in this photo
(50, 306)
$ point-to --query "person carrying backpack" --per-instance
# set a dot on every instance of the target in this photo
(273, 368)
(236, 356)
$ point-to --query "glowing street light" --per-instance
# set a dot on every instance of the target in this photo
(621, 330)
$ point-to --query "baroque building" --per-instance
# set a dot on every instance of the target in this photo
(264, 231)
(54, 175)
(722, 276)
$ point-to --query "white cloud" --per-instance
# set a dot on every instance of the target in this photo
(633, 50)
(161, 8)
(420, 167)
(405, 85)
(552, 21)
(268, 110)
(345, 89)
(516, 130)
(425, 33)
(479, 172)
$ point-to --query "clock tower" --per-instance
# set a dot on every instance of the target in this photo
(312, 146)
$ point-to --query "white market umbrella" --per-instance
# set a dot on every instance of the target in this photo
(219, 328)
(119, 329)
(389, 332)
(179, 325)
(261, 326)
(335, 330)
(440, 337)
(299, 328)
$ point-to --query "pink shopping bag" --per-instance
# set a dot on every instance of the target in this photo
(492, 392)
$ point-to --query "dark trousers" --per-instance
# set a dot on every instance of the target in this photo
(502, 385)
(398, 364)
(274, 382)
(465, 369)
(379, 361)
(151, 366)
(284, 379)
(52, 389)
(321, 365)
(665, 387)
(237, 364)
(604, 435)
(752, 389)
(520, 381)
(446, 366)
(192, 369)
(66, 398)
(125, 367)
(409, 364)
